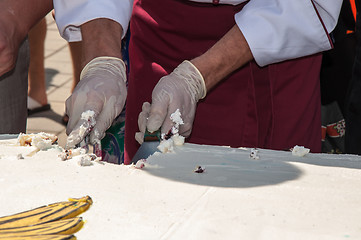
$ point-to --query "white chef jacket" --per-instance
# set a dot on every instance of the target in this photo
(275, 30)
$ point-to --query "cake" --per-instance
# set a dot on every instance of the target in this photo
(194, 192)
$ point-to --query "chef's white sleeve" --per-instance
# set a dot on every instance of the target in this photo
(71, 14)
(278, 30)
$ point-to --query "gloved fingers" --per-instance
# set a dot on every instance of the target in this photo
(142, 122)
(82, 119)
(157, 115)
(79, 103)
(75, 137)
(98, 132)
(143, 117)
(167, 125)
(73, 113)
(139, 136)
(185, 129)
(168, 122)
(83, 127)
(105, 118)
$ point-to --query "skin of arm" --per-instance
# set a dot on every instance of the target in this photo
(228, 54)
(94, 46)
(15, 22)
(102, 80)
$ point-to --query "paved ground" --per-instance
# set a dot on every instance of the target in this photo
(58, 69)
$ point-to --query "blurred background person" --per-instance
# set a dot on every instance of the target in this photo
(353, 107)
(336, 75)
(37, 99)
(15, 22)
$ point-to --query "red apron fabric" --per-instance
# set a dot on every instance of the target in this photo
(274, 107)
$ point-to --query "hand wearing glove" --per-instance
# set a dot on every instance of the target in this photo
(181, 89)
(97, 100)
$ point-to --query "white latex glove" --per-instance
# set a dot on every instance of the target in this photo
(97, 100)
(181, 89)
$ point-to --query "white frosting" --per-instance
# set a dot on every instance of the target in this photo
(40, 140)
(85, 161)
(140, 163)
(276, 197)
(167, 145)
(41, 143)
(176, 118)
(254, 154)
(300, 151)
(178, 140)
(89, 122)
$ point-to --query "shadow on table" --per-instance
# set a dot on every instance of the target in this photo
(224, 167)
(229, 167)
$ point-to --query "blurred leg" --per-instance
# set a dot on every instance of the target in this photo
(13, 94)
(353, 110)
(75, 51)
(37, 86)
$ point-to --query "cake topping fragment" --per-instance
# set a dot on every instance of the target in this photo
(300, 151)
(254, 154)
(172, 138)
(199, 169)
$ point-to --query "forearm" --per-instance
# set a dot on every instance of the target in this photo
(23, 13)
(101, 37)
(228, 54)
(16, 19)
(102, 86)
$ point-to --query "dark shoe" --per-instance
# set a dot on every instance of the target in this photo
(65, 119)
(39, 109)
(35, 107)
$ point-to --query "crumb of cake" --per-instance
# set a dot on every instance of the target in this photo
(81, 156)
(140, 163)
(39, 140)
(254, 154)
(176, 117)
(166, 146)
(199, 169)
(78, 151)
(88, 159)
(65, 154)
(178, 139)
(300, 151)
(85, 161)
(172, 138)
(85, 128)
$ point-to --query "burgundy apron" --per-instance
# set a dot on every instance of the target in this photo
(275, 107)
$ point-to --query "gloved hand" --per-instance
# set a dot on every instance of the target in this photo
(97, 100)
(181, 89)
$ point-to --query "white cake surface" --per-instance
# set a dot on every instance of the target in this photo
(277, 196)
